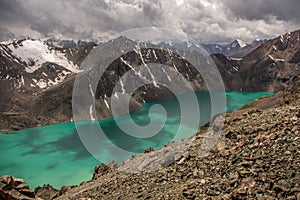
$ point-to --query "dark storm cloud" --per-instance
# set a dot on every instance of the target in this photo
(209, 20)
(263, 9)
(81, 18)
(13, 11)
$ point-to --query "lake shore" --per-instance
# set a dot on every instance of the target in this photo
(255, 157)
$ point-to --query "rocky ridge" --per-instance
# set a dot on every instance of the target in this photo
(237, 48)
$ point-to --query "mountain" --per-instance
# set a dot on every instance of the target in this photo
(52, 104)
(66, 44)
(37, 78)
(271, 67)
(237, 48)
(28, 69)
(31, 65)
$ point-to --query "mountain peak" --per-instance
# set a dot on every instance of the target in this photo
(238, 43)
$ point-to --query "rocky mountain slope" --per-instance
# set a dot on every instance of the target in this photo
(272, 66)
(29, 69)
(31, 65)
(256, 157)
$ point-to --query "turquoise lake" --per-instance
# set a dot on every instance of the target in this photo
(55, 155)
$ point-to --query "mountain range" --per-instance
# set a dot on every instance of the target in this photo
(37, 76)
(237, 48)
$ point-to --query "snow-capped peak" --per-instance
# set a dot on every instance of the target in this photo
(241, 43)
(34, 53)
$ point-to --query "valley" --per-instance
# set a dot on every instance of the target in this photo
(41, 94)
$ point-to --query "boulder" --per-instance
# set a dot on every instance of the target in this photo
(15, 188)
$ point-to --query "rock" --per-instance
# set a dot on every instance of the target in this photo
(100, 170)
(46, 192)
(201, 173)
(188, 194)
(181, 161)
(298, 196)
(64, 189)
(298, 113)
(15, 188)
(211, 192)
(148, 150)
(195, 173)
(247, 187)
(282, 185)
(295, 190)
(186, 155)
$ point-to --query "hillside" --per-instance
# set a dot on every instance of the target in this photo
(256, 157)
(272, 66)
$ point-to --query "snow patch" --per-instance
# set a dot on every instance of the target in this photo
(122, 86)
(275, 59)
(35, 52)
(235, 58)
(241, 43)
(106, 103)
(282, 39)
(154, 54)
(168, 77)
(148, 69)
(91, 113)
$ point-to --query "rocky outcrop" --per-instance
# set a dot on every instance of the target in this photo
(46, 192)
(15, 189)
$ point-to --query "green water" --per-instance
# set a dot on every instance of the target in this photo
(55, 155)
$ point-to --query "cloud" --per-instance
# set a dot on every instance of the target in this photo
(5, 34)
(206, 20)
(12, 12)
(257, 9)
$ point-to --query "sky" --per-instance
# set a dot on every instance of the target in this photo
(204, 20)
